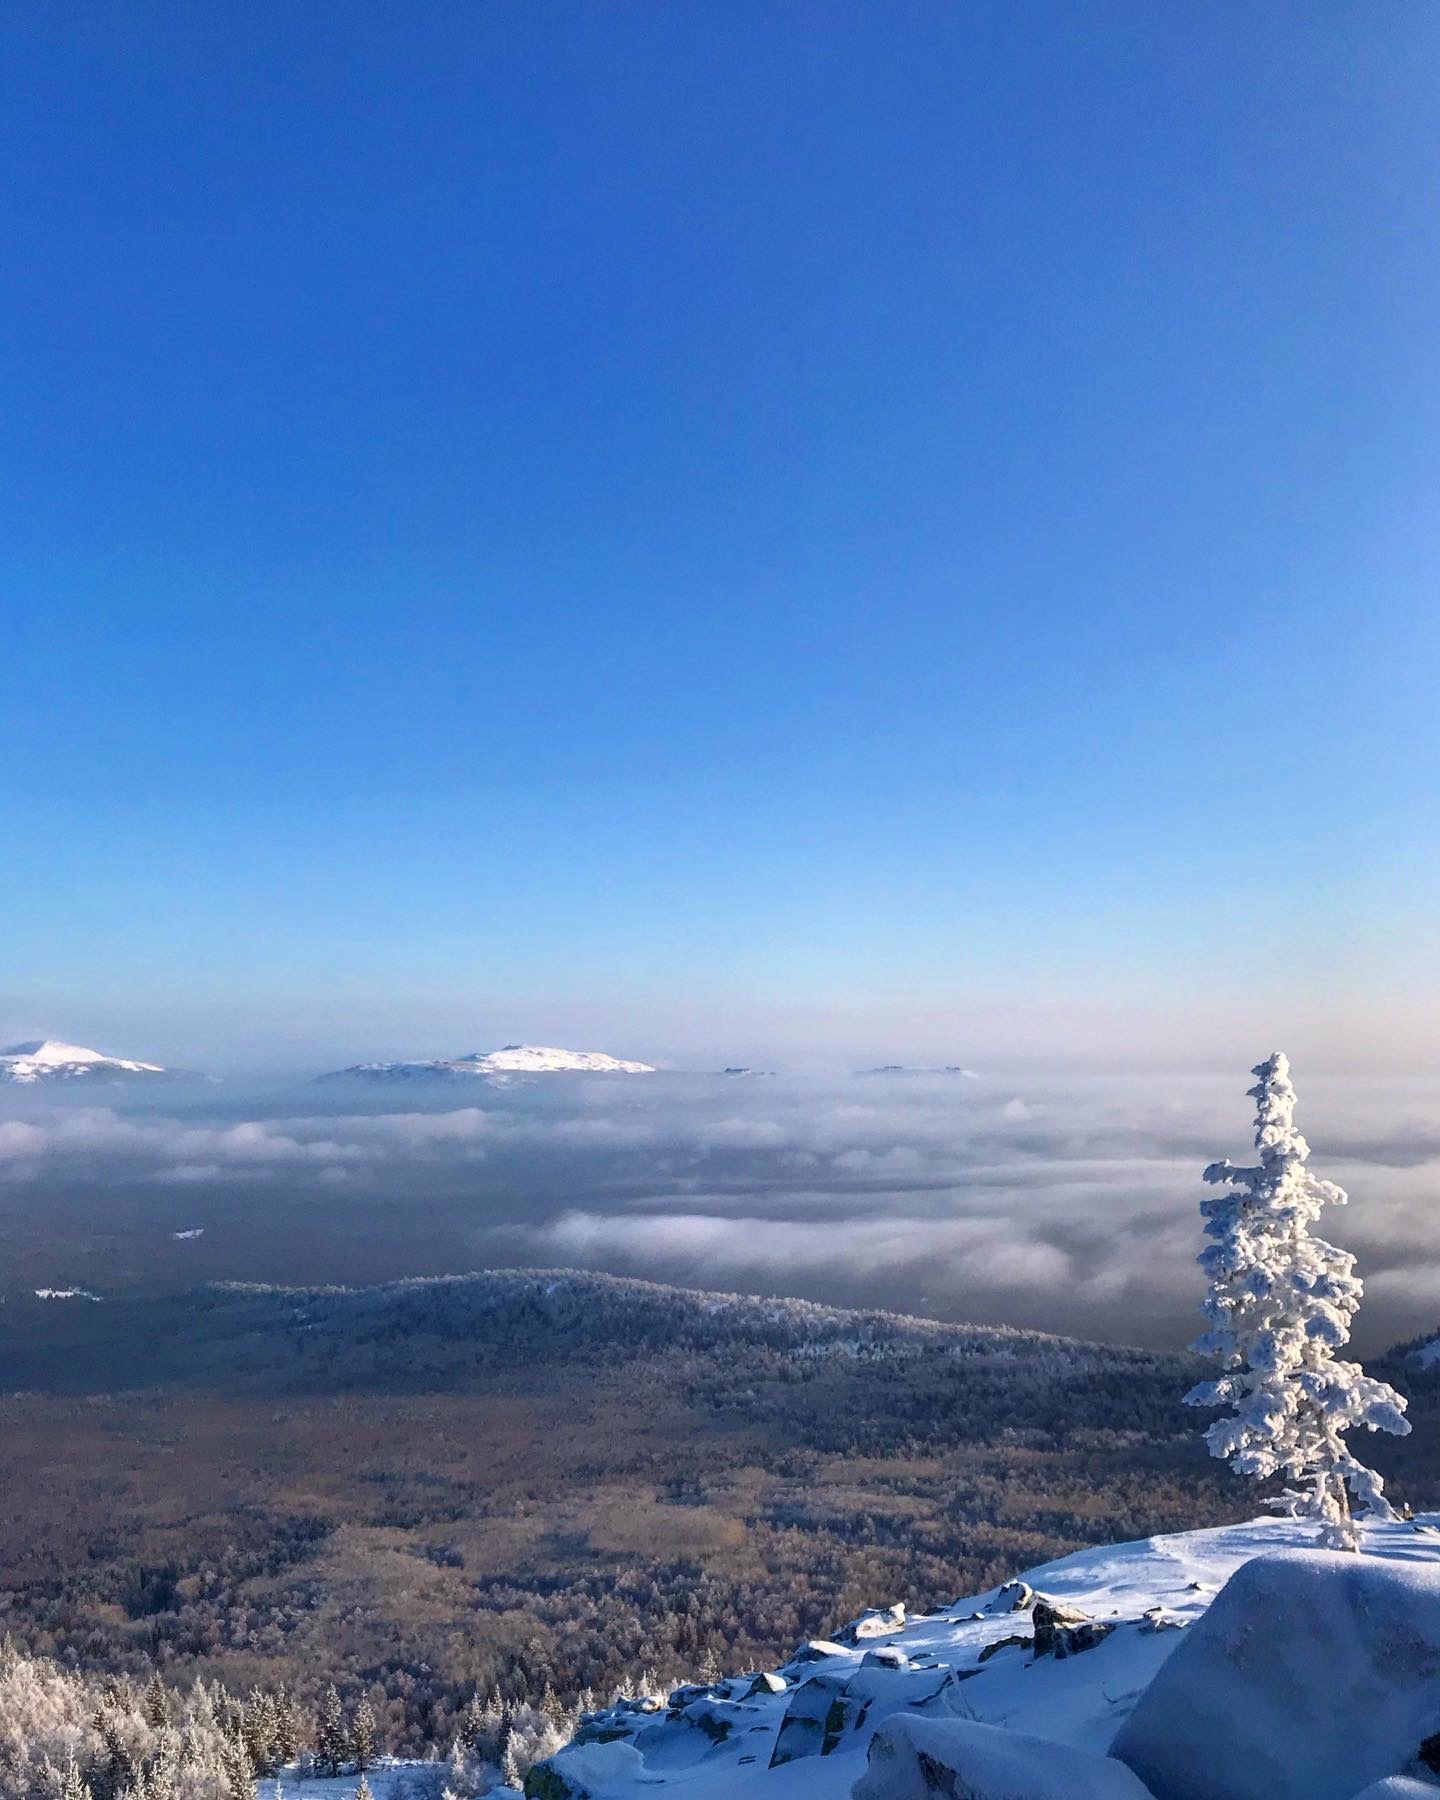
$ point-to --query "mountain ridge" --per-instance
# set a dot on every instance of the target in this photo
(508, 1061)
(38, 1060)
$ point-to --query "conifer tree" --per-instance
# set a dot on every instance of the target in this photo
(472, 1722)
(362, 1789)
(330, 1739)
(155, 1703)
(287, 1728)
(236, 1769)
(510, 1772)
(362, 1737)
(72, 1783)
(258, 1729)
(1280, 1303)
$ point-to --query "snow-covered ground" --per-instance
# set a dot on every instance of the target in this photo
(389, 1779)
(718, 1742)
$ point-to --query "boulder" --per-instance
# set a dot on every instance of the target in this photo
(818, 1714)
(880, 1621)
(575, 1772)
(817, 1650)
(959, 1759)
(1062, 1630)
(1400, 1787)
(826, 1711)
(764, 1685)
(1312, 1675)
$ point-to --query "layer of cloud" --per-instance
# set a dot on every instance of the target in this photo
(1065, 1204)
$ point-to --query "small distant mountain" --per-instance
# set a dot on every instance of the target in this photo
(47, 1060)
(738, 1070)
(904, 1069)
(513, 1059)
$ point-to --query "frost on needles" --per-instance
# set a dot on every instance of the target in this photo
(1280, 1303)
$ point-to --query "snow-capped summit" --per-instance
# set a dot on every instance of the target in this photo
(48, 1059)
(513, 1059)
(537, 1059)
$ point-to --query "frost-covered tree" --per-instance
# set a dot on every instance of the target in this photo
(362, 1737)
(1280, 1304)
(332, 1741)
(156, 1702)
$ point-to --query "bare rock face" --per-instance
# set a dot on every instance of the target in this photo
(1062, 1630)
(1311, 1676)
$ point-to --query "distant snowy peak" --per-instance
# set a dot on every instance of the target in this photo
(542, 1059)
(514, 1059)
(48, 1059)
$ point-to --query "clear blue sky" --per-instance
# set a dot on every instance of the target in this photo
(711, 526)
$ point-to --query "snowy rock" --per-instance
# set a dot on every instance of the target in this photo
(816, 1719)
(829, 1709)
(1076, 1703)
(1012, 1596)
(581, 1770)
(1060, 1630)
(817, 1650)
(766, 1684)
(1312, 1674)
(878, 1622)
(925, 1759)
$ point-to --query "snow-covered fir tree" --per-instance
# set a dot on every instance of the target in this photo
(362, 1737)
(1280, 1303)
(156, 1702)
(332, 1742)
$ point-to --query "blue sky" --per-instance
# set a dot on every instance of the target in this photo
(722, 529)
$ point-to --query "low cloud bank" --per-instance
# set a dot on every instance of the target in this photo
(1061, 1203)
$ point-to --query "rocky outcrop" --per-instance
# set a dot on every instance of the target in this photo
(958, 1759)
(828, 1710)
(880, 1621)
(1311, 1675)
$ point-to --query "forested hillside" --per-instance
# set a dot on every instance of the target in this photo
(502, 1482)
